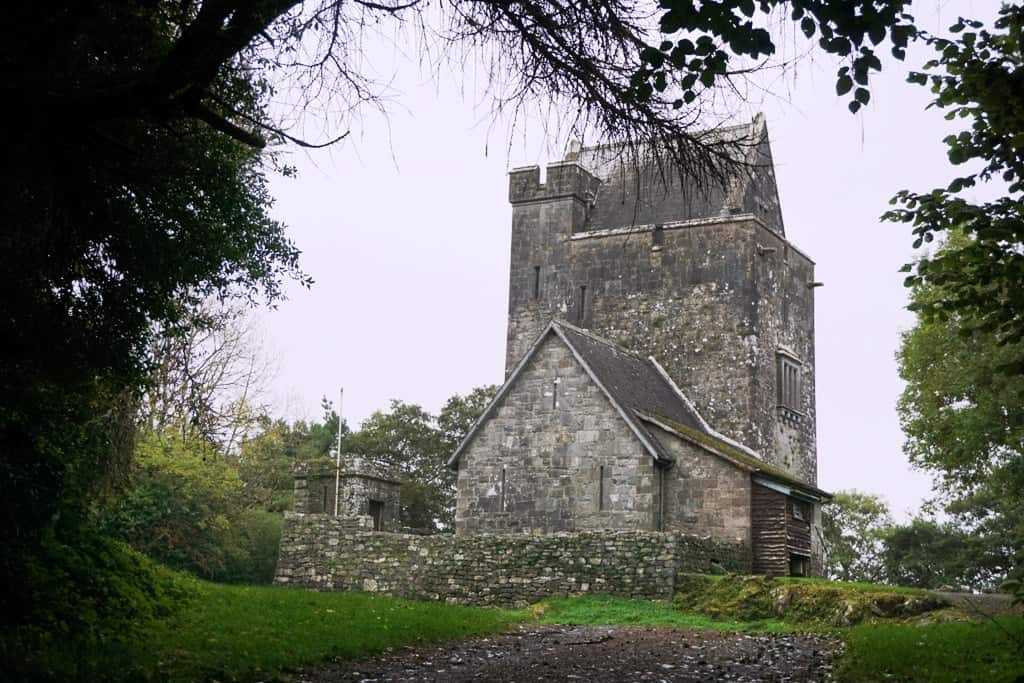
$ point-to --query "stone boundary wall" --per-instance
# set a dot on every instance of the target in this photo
(334, 553)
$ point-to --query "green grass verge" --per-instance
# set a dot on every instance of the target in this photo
(601, 610)
(985, 652)
(848, 585)
(964, 652)
(236, 633)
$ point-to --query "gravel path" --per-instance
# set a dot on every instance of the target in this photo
(597, 653)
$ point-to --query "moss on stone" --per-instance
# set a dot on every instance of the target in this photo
(727, 449)
(752, 598)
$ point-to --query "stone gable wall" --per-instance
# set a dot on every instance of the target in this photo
(335, 553)
(548, 452)
(704, 494)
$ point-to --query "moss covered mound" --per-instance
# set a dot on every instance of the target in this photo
(755, 598)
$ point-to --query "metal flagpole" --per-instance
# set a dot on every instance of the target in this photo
(337, 454)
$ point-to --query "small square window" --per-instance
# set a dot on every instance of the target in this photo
(798, 510)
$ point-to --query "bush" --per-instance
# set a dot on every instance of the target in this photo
(82, 599)
(251, 547)
(179, 506)
(186, 507)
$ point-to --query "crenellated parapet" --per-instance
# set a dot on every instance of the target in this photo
(564, 180)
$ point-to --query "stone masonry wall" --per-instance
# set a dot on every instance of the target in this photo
(537, 464)
(331, 553)
(712, 300)
(705, 494)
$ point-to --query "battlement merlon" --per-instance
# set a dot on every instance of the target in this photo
(565, 180)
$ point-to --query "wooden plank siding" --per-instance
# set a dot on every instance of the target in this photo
(768, 531)
(798, 531)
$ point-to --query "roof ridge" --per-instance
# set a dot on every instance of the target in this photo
(591, 335)
(752, 125)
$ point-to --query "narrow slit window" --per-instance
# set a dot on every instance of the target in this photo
(536, 282)
(581, 305)
(600, 489)
(658, 237)
(501, 492)
(554, 393)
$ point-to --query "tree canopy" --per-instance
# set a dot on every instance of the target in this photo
(854, 525)
(977, 78)
(963, 418)
(415, 446)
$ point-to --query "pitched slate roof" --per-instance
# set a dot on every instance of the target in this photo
(639, 188)
(644, 396)
(636, 383)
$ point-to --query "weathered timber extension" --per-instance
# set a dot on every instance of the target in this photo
(782, 532)
(768, 532)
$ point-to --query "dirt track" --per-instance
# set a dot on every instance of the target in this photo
(597, 653)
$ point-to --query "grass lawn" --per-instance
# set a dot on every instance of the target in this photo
(246, 633)
(602, 610)
(237, 633)
(979, 652)
(854, 585)
(982, 652)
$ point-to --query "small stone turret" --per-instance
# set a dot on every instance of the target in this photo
(365, 491)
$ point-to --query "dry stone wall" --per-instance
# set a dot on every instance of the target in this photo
(336, 553)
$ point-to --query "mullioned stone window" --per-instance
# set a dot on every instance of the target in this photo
(788, 382)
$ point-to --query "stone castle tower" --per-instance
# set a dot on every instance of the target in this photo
(702, 279)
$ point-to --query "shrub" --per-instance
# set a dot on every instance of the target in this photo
(251, 547)
(82, 598)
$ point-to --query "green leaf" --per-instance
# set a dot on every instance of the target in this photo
(843, 85)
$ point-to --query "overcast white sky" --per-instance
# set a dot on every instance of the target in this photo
(405, 228)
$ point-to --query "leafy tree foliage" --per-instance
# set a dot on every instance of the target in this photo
(187, 508)
(700, 40)
(964, 421)
(977, 78)
(855, 526)
(265, 460)
(416, 446)
(125, 208)
(928, 554)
